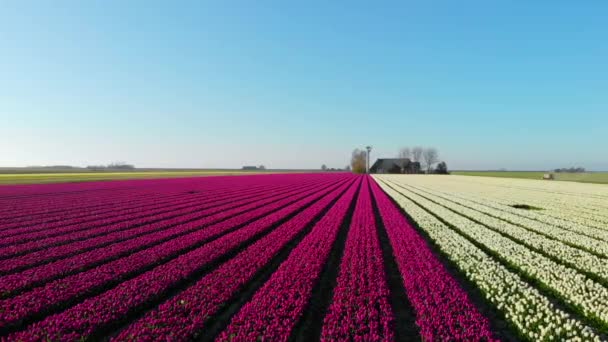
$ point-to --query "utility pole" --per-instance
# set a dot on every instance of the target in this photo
(369, 150)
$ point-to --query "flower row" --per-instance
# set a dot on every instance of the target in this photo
(567, 232)
(58, 204)
(571, 286)
(533, 315)
(137, 229)
(170, 230)
(185, 316)
(277, 306)
(54, 294)
(122, 228)
(360, 308)
(25, 207)
(443, 309)
(29, 217)
(117, 219)
(573, 257)
(566, 207)
(95, 313)
(91, 218)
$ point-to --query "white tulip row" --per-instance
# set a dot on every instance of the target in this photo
(590, 191)
(559, 210)
(581, 209)
(573, 257)
(531, 313)
(573, 287)
(534, 235)
(564, 230)
(566, 212)
(575, 209)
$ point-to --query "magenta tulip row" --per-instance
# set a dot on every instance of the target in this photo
(150, 207)
(19, 209)
(443, 309)
(68, 226)
(88, 317)
(59, 201)
(29, 216)
(94, 199)
(277, 306)
(88, 201)
(11, 284)
(203, 299)
(125, 229)
(88, 218)
(56, 293)
(119, 207)
(360, 308)
(219, 210)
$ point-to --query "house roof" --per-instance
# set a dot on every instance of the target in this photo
(389, 163)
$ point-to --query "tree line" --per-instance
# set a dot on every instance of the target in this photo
(426, 156)
(571, 170)
(112, 166)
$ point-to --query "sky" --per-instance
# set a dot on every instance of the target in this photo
(520, 85)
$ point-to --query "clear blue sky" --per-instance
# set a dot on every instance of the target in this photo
(491, 84)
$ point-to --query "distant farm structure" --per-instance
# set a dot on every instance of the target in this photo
(395, 165)
(251, 167)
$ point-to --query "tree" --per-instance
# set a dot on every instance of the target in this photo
(405, 152)
(357, 161)
(417, 154)
(261, 167)
(120, 166)
(347, 168)
(430, 156)
(324, 167)
(442, 169)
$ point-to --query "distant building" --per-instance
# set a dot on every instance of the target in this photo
(248, 167)
(395, 165)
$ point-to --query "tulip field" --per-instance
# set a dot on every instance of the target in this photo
(304, 257)
(535, 250)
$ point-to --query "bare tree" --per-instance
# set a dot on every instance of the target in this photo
(324, 167)
(417, 153)
(405, 152)
(430, 156)
(358, 161)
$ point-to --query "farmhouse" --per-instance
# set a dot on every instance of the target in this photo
(395, 165)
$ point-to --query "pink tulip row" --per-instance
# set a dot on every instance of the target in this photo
(95, 199)
(360, 308)
(18, 209)
(88, 317)
(89, 217)
(277, 306)
(137, 201)
(27, 190)
(152, 208)
(444, 312)
(220, 207)
(126, 229)
(54, 294)
(56, 200)
(29, 216)
(208, 295)
(13, 283)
